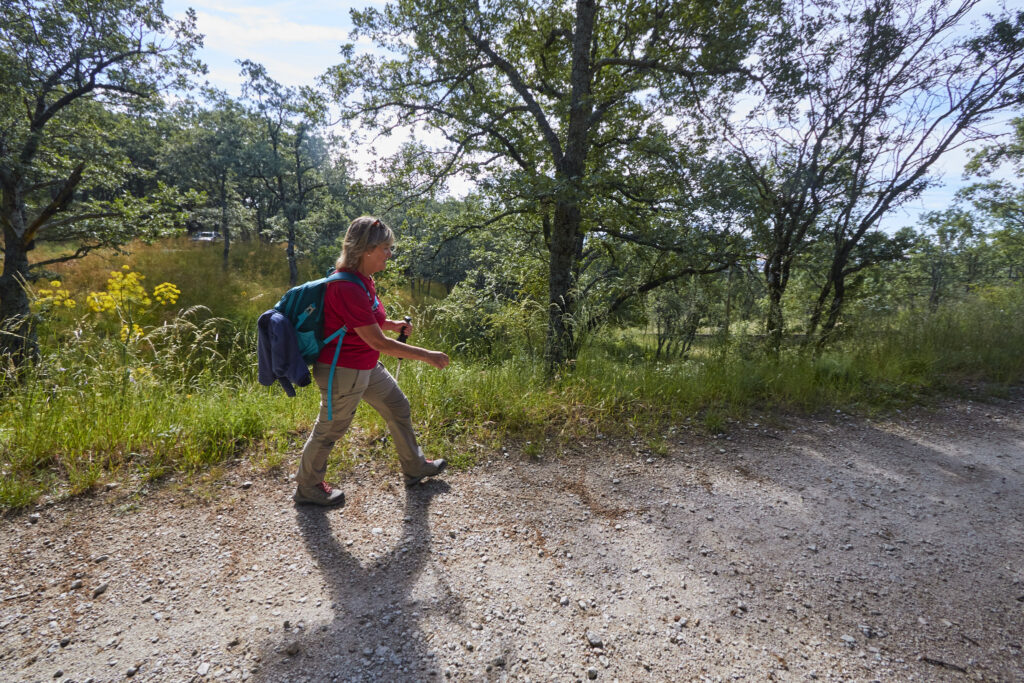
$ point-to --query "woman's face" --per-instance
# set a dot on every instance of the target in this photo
(376, 259)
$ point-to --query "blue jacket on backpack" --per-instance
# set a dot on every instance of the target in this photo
(277, 352)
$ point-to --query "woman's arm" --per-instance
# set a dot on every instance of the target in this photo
(374, 337)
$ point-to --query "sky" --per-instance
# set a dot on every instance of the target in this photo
(298, 41)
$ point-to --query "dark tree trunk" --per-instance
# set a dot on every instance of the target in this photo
(17, 333)
(834, 287)
(564, 252)
(224, 230)
(776, 271)
(835, 309)
(566, 239)
(293, 268)
(818, 310)
(727, 323)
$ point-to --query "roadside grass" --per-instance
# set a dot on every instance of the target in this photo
(184, 397)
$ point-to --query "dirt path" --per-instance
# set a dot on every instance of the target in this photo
(835, 548)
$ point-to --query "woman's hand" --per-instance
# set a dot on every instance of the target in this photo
(438, 359)
(397, 326)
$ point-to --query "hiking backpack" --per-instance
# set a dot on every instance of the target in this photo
(303, 306)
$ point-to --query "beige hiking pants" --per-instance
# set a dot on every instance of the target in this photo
(378, 388)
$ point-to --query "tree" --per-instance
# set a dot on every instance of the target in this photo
(1002, 201)
(944, 253)
(546, 105)
(288, 153)
(63, 64)
(857, 108)
(208, 151)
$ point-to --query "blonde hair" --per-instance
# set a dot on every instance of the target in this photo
(364, 234)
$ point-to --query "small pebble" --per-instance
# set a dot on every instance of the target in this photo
(100, 590)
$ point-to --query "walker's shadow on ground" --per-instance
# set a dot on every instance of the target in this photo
(376, 632)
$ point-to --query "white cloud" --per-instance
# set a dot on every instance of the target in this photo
(242, 31)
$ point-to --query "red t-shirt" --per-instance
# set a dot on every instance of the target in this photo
(345, 303)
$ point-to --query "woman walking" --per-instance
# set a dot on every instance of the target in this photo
(359, 374)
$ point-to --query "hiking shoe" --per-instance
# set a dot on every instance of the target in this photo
(321, 494)
(434, 467)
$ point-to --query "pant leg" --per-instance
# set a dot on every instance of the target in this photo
(347, 390)
(387, 398)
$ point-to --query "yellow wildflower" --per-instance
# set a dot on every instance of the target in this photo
(166, 293)
(46, 298)
(135, 333)
(100, 302)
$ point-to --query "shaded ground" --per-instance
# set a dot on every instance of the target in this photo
(835, 548)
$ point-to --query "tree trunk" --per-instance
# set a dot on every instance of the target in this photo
(936, 287)
(293, 268)
(17, 333)
(561, 344)
(834, 309)
(224, 230)
(727, 323)
(819, 308)
(566, 241)
(776, 271)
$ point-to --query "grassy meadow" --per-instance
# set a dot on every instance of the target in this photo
(134, 393)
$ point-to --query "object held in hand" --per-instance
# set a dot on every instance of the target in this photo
(402, 336)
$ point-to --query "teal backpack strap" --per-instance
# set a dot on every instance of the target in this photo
(330, 378)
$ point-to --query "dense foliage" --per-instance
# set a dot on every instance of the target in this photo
(682, 198)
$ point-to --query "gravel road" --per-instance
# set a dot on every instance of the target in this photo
(828, 547)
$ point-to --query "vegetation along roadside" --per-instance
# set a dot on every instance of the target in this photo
(619, 216)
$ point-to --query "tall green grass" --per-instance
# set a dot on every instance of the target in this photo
(185, 397)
